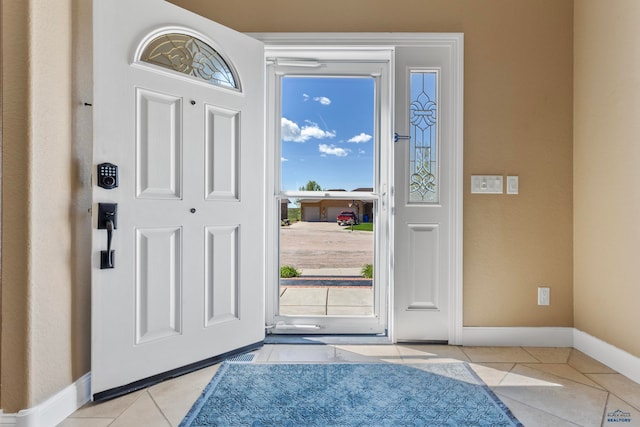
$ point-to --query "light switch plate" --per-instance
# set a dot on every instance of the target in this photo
(486, 184)
(512, 184)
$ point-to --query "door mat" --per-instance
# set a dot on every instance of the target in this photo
(347, 394)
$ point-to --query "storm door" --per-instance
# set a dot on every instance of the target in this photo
(329, 196)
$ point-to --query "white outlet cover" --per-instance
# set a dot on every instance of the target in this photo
(486, 184)
(544, 296)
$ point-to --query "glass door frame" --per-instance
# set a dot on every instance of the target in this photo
(331, 62)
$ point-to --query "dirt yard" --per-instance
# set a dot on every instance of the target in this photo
(324, 245)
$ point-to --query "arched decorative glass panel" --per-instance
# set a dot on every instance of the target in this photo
(189, 55)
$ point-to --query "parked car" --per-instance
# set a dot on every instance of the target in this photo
(347, 218)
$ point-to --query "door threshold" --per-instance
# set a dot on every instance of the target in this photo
(327, 339)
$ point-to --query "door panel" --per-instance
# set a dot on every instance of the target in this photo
(222, 147)
(424, 241)
(158, 144)
(222, 282)
(187, 282)
(427, 190)
(158, 283)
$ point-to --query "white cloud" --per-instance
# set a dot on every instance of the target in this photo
(322, 100)
(313, 131)
(363, 137)
(292, 132)
(305, 97)
(282, 159)
(333, 150)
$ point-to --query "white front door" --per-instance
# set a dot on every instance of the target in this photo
(427, 194)
(179, 109)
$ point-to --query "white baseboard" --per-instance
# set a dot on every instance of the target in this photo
(615, 358)
(518, 336)
(55, 409)
(7, 419)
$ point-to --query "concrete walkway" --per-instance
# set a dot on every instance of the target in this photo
(318, 300)
(326, 301)
(323, 272)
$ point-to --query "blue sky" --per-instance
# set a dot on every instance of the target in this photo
(327, 132)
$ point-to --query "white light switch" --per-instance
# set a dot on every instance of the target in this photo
(512, 185)
(486, 184)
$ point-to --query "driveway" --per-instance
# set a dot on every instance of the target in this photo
(315, 245)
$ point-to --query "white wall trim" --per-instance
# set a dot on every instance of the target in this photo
(518, 336)
(7, 419)
(55, 409)
(615, 358)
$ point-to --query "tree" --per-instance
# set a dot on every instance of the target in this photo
(311, 186)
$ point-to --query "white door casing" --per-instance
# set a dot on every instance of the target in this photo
(188, 276)
(411, 318)
(428, 234)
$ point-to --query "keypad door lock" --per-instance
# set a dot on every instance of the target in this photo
(107, 175)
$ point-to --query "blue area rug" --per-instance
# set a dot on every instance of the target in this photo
(355, 394)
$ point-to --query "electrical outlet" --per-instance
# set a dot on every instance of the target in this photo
(544, 296)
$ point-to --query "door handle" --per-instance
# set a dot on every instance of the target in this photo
(397, 137)
(107, 215)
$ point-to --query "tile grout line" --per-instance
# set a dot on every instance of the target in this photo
(604, 411)
(531, 407)
(160, 409)
(530, 354)
(611, 393)
(603, 388)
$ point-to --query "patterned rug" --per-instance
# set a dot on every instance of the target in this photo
(349, 394)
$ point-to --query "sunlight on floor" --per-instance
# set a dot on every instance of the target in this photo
(541, 386)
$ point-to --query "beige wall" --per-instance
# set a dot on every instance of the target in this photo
(518, 120)
(45, 197)
(14, 131)
(606, 154)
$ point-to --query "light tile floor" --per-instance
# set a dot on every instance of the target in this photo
(542, 386)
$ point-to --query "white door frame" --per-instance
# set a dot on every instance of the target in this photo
(332, 62)
(376, 41)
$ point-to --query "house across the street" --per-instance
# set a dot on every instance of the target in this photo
(326, 210)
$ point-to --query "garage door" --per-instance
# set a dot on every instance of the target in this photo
(311, 214)
(332, 213)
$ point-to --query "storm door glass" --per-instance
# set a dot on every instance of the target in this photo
(327, 197)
